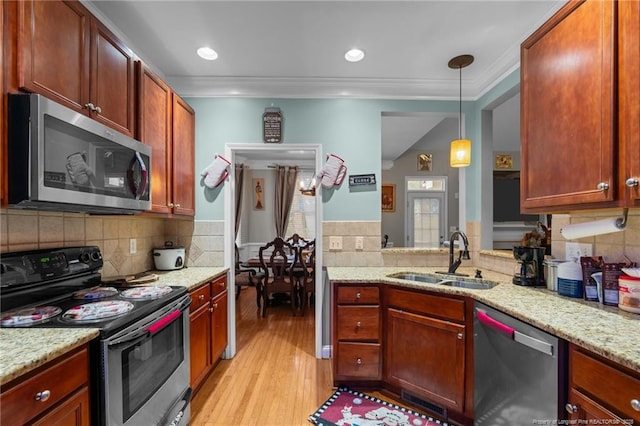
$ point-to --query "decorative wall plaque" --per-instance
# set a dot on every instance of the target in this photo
(272, 125)
(355, 180)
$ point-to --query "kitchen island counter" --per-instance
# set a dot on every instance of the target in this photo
(605, 330)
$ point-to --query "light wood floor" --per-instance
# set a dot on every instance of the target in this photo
(274, 379)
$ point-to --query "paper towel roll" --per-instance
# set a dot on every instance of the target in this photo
(589, 229)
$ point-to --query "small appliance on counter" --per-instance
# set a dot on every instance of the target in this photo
(168, 258)
(530, 269)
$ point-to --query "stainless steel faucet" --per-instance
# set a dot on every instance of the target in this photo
(464, 253)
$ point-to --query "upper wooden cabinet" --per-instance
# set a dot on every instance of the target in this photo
(629, 98)
(568, 110)
(167, 123)
(67, 55)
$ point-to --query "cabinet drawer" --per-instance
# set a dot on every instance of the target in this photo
(359, 360)
(199, 297)
(358, 322)
(358, 295)
(432, 305)
(606, 384)
(218, 286)
(60, 379)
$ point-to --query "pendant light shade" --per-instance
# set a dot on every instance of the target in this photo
(460, 154)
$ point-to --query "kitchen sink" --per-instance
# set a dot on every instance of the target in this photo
(455, 282)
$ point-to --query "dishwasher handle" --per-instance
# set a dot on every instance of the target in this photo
(513, 334)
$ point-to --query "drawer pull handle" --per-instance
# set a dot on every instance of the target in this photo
(43, 396)
(201, 297)
(222, 284)
(215, 306)
(358, 324)
(635, 404)
(358, 295)
(571, 409)
(359, 361)
(602, 186)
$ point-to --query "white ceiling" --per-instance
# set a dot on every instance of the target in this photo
(295, 49)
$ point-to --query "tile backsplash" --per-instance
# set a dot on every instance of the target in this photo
(27, 230)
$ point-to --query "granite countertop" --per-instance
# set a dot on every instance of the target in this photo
(25, 349)
(605, 330)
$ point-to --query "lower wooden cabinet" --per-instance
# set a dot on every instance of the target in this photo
(600, 390)
(55, 394)
(207, 328)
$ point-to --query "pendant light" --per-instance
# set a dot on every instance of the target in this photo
(460, 155)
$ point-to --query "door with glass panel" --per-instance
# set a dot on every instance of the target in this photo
(426, 211)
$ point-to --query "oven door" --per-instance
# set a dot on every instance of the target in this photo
(146, 371)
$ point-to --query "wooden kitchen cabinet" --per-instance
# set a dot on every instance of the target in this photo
(208, 328)
(66, 54)
(580, 109)
(55, 394)
(167, 124)
(357, 345)
(599, 389)
(427, 355)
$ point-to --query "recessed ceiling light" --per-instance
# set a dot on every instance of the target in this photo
(207, 53)
(354, 55)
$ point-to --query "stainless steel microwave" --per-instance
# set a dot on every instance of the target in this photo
(59, 159)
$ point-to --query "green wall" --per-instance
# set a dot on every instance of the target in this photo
(350, 128)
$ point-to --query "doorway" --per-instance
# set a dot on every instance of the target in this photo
(274, 153)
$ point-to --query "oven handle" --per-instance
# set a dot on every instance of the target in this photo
(185, 397)
(158, 325)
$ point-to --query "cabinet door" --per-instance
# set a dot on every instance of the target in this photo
(568, 109)
(112, 78)
(183, 157)
(154, 129)
(629, 100)
(74, 411)
(219, 325)
(426, 356)
(200, 344)
(53, 50)
(582, 409)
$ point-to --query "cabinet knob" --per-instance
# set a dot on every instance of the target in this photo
(90, 106)
(43, 396)
(631, 182)
(602, 186)
(177, 205)
(635, 404)
(201, 297)
(359, 361)
(460, 336)
(358, 324)
(215, 306)
(97, 109)
(358, 295)
(222, 284)
(171, 205)
(210, 309)
(571, 409)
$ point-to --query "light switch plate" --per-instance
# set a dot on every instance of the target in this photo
(132, 246)
(577, 250)
(335, 243)
(359, 243)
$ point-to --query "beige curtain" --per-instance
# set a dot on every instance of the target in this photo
(286, 184)
(239, 183)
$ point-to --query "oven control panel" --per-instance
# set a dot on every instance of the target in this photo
(35, 266)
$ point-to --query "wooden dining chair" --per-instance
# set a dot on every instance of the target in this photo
(276, 269)
(297, 240)
(304, 273)
(245, 276)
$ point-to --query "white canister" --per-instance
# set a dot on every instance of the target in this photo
(570, 279)
(629, 294)
(551, 273)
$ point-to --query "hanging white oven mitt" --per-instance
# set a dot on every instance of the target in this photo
(216, 172)
(333, 171)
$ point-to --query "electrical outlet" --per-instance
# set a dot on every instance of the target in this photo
(132, 246)
(577, 250)
(359, 243)
(335, 243)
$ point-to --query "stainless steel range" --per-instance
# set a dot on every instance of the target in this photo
(139, 363)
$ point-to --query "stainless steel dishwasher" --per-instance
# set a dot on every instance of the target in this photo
(519, 371)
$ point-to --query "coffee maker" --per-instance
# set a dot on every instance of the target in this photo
(530, 269)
